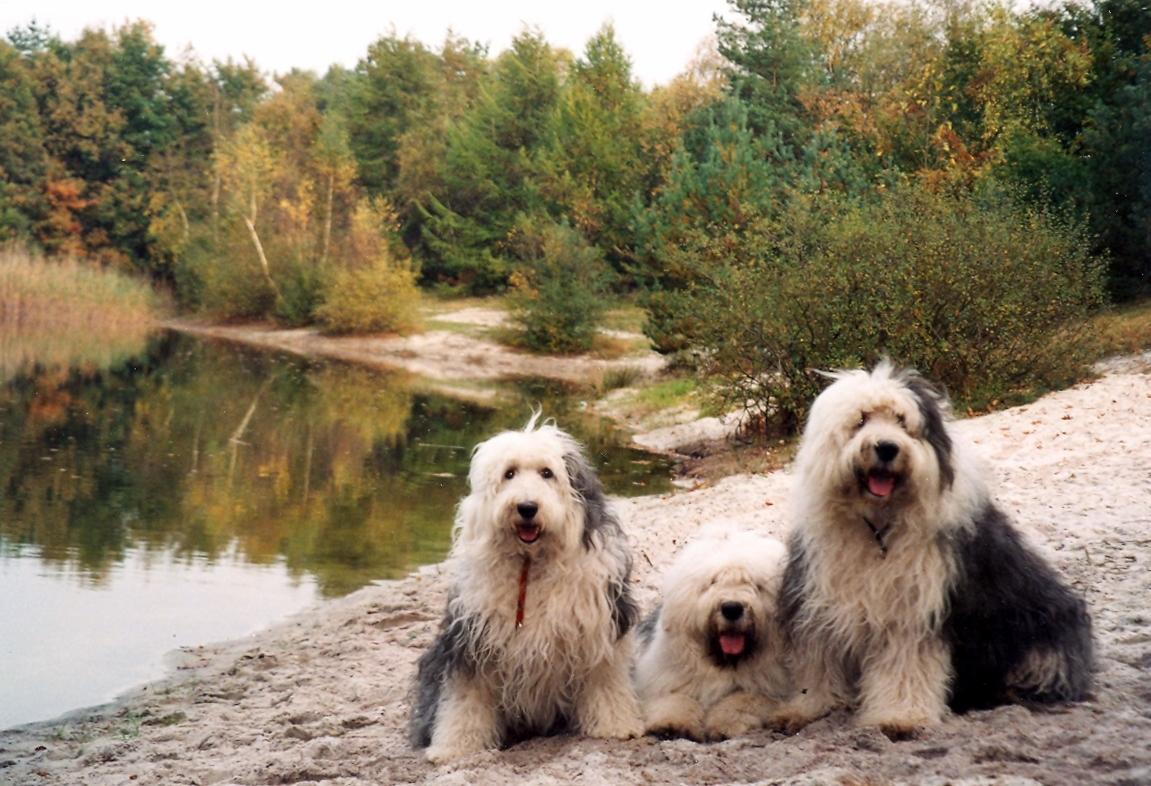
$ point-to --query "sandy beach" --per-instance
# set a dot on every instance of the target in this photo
(322, 697)
(439, 355)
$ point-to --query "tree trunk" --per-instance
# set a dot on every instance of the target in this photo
(328, 219)
(187, 227)
(263, 259)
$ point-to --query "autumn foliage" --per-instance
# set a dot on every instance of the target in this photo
(299, 196)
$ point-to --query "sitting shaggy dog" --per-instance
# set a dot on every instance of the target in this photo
(533, 639)
(907, 589)
(711, 664)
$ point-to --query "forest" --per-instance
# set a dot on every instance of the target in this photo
(958, 184)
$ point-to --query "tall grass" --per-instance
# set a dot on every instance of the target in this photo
(65, 313)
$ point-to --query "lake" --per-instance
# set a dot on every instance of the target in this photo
(198, 491)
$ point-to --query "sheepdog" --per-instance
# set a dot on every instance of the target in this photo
(711, 664)
(907, 590)
(535, 636)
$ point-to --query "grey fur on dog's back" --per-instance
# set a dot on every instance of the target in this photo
(1005, 602)
(449, 653)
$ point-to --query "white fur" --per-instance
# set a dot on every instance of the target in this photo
(867, 633)
(683, 690)
(566, 661)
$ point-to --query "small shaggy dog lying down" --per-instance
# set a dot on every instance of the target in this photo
(534, 636)
(711, 664)
(907, 589)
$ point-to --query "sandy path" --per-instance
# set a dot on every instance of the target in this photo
(439, 355)
(322, 698)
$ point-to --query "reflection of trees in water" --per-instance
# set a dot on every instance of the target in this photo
(200, 449)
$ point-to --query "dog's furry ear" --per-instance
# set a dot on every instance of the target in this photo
(598, 522)
(586, 484)
(933, 408)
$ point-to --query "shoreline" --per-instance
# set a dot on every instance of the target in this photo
(464, 367)
(322, 697)
(439, 355)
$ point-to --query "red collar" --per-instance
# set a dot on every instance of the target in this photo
(523, 591)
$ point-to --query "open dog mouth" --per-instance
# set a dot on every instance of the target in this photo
(728, 646)
(528, 532)
(880, 483)
(732, 643)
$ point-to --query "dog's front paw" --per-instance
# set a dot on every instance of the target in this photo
(670, 731)
(898, 726)
(674, 716)
(621, 728)
(899, 729)
(442, 754)
(790, 719)
(898, 732)
(729, 724)
(736, 714)
(804, 708)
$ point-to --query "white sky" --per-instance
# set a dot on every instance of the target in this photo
(660, 36)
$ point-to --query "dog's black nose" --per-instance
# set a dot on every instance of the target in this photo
(527, 510)
(731, 610)
(886, 451)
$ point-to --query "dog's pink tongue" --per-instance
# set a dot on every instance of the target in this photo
(528, 533)
(731, 643)
(880, 485)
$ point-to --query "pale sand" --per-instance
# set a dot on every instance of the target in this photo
(439, 355)
(322, 697)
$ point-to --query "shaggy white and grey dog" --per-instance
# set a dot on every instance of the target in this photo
(534, 638)
(907, 590)
(711, 664)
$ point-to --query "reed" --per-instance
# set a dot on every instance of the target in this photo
(64, 313)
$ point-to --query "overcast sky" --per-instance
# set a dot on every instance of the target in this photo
(660, 36)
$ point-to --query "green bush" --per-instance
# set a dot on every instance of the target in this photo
(302, 285)
(225, 285)
(978, 292)
(379, 298)
(559, 295)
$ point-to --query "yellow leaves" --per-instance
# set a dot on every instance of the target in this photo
(520, 282)
(246, 166)
(838, 28)
(297, 209)
(1029, 63)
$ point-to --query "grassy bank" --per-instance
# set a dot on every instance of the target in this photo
(1125, 330)
(66, 313)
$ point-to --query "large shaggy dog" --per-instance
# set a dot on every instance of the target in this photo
(534, 636)
(711, 664)
(907, 589)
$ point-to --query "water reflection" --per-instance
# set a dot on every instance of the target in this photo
(197, 448)
(202, 490)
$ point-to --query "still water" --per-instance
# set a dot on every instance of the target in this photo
(200, 491)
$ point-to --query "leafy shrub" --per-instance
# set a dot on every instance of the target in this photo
(381, 297)
(978, 292)
(559, 296)
(223, 278)
(231, 291)
(377, 297)
(302, 285)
